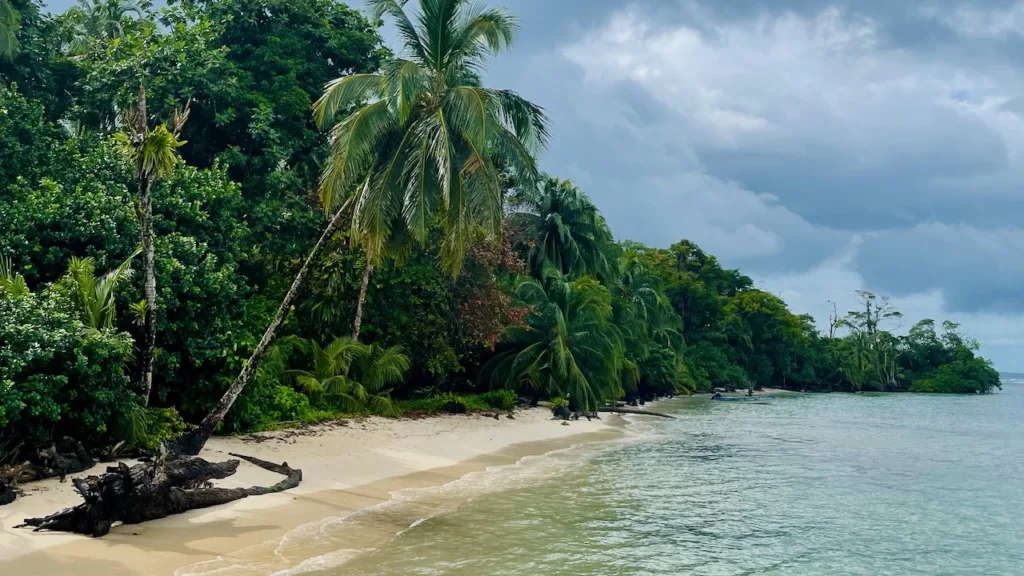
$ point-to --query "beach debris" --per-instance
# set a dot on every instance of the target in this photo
(497, 416)
(7, 494)
(170, 484)
(49, 463)
(628, 411)
(510, 416)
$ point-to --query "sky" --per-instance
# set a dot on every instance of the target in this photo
(822, 148)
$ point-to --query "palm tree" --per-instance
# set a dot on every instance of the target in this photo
(98, 20)
(568, 347)
(570, 234)
(354, 375)
(95, 295)
(11, 283)
(10, 21)
(423, 145)
(423, 149)
(152, 154)
(652, 307)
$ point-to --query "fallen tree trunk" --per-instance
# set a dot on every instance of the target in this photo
(46, 464)
(640, 412)
(154, 490)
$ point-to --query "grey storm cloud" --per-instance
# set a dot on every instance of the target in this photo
(977, 269)
(821, 146)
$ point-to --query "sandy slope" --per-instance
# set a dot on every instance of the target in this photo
(345, 468)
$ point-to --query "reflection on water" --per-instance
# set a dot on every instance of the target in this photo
(814, 485)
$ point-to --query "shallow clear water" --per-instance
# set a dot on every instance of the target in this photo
(813, 485)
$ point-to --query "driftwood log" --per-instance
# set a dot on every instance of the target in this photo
(49, 463)
(153, 490)
(7, 494)
(640, 412)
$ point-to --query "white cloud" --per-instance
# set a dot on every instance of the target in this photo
(979, 22)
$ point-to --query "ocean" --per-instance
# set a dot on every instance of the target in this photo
(812, 485)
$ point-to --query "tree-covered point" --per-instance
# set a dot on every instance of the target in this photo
(391, 193)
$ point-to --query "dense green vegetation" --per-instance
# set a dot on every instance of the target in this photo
(174, 182)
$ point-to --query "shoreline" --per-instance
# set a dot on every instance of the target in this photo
(346, 468)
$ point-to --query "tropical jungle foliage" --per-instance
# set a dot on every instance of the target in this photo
(381, 212)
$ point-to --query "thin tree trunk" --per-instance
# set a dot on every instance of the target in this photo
(358, 323)
(149, 287)
(194, 441)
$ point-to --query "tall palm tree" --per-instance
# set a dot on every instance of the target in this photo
(569, 346)
(356, 376)
(420, 146)
(645, 317)
(570, 234)
(423, 143)
(98, 20)
(653, 309)
(152, 153)
(10, 21)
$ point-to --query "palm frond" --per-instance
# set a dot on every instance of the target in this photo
(354, 144)
(10, 23)
(342, 93)
(11, 282)
(412, 38)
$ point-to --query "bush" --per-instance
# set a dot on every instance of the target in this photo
(966, 375)
(456, 404)
(560, 407)
(266, 403)
(84, 206)
(499, 399)
(152, 426)
(57, 381)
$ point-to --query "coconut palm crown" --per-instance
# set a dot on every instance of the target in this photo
(424, 141)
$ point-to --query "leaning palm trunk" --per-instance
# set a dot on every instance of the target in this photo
(357, 324)
(149, 286)
(194, 441)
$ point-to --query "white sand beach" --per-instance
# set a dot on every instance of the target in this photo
(346, 467)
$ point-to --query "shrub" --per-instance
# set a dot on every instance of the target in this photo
(149, 427)
(560, 407)
(456, 404)
(499, 399)
(965, 375)
(56, 380)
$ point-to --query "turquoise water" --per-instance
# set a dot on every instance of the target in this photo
(813, 485)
